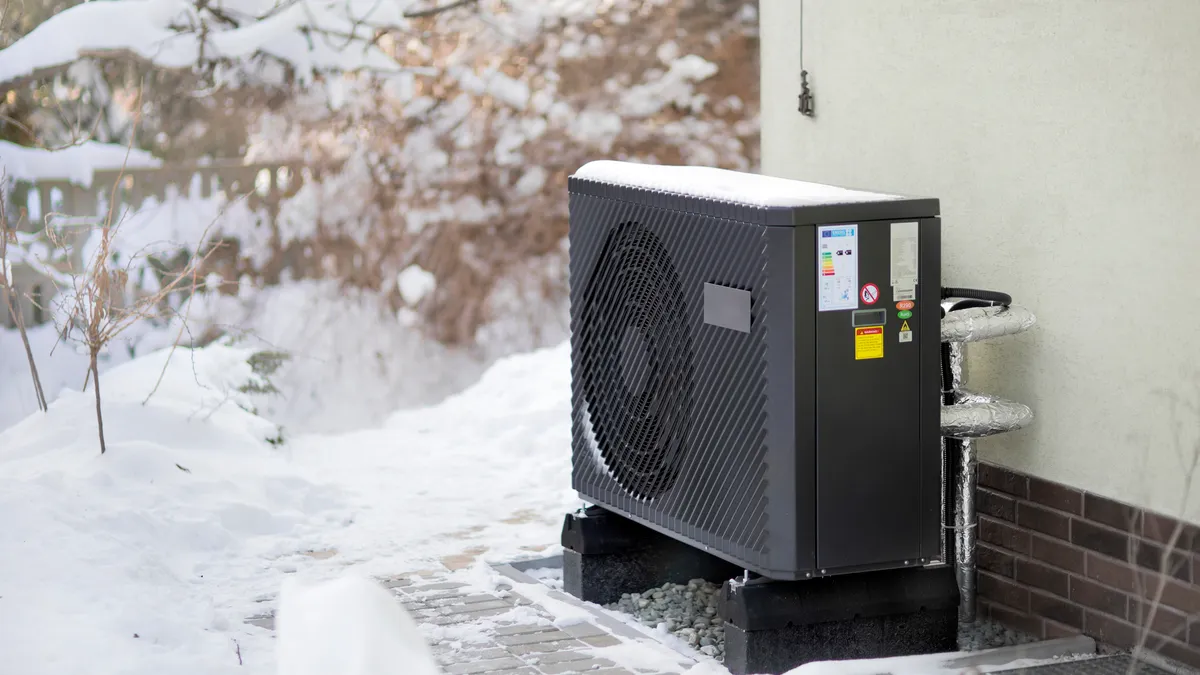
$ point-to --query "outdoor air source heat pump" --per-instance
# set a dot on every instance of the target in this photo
(755, 366)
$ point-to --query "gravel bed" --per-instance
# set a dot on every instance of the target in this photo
(988, 634)
(689, 612)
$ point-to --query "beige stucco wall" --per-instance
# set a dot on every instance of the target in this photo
(1063, 138)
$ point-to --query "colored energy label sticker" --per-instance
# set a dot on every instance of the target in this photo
(904, 305)
(869, 294)
(868, 343)
(827, 268)
(904, 314)
(905, 332)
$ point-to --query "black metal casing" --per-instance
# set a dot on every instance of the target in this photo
(712, 402)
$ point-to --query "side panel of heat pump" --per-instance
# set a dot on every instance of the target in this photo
(869, 389)
(680, 419)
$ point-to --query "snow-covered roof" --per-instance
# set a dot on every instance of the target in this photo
(720, 184)
(76, 163)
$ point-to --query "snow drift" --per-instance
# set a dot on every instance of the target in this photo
(146, 559)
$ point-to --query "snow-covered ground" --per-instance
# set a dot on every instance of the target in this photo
(147, 559)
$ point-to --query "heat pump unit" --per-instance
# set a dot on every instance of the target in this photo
(755, 366)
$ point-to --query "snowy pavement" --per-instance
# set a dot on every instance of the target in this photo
(480, 620)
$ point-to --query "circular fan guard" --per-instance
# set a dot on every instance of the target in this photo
(636, 366)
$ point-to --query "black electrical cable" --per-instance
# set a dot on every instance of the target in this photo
(947, 376)
(994, 297)
(970, 304)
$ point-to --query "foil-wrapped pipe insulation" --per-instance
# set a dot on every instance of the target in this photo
(958, 367)
(967, 415)
(979, 416)
(985, 323)
(965, 522)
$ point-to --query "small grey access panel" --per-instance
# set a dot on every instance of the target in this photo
(727, 307)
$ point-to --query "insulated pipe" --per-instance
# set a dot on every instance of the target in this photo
(965, 529)
(966, 416)
(964, 511)
(985, 323)
(976, 416)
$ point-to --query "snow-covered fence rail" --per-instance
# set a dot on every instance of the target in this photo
(62, 210)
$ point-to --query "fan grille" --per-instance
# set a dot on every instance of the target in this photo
(637, 373)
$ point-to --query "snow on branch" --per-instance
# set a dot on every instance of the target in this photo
(310, 35)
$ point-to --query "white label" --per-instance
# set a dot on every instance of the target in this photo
(837, 267)
(904, 260)
(906, 336)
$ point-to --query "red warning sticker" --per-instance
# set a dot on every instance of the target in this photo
(905, 305)
(869, 294)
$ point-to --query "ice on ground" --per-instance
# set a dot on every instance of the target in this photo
(348, 626)
(723, 185)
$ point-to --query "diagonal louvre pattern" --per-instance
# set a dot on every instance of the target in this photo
(669, 413)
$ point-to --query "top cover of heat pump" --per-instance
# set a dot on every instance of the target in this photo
(714, 402)
(751, 198)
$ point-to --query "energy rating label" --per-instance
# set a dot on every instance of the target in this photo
(837, 267)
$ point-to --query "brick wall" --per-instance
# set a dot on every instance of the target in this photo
(1056, 561)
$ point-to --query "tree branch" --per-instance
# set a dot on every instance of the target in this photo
(434, 11)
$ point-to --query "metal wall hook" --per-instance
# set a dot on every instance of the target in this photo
(807, 104)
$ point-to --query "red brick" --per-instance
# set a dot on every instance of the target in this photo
(1058, 554)
(1185, 598)
(1055, 496)
(1003, 535)
(1043, 520)
(1112, 513)
(1156, 558)
(1003, 480)
(1176, 650)
(1055, 608)
(1165, 621)
(1100, 598)
(995, 560)
(1002, 591)
(1109, 630)
(1100, 539)
(996, 505)
(1042, 576)
(1109, 572)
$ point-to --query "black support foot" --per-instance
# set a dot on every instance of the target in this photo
(607, 555)
(774, 626)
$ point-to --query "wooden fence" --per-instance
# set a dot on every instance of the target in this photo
(64, 214)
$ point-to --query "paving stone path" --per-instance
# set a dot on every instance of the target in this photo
(485, 632)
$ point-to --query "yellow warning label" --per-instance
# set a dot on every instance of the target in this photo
(868, 343)
(905, 328)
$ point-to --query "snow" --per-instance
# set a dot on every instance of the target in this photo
(415, 283)
(76, 163)
(350, 626)
(149, 558)
(920, 664)
(147, 28)
(194, 513)
(723, 185)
